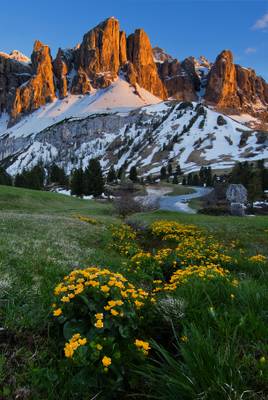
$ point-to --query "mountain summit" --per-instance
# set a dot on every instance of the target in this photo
(106, 53)
(115, 97)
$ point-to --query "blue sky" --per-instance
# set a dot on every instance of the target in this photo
(181, 27)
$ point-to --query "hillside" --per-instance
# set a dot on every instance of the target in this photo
(187, 133)
(43, 239)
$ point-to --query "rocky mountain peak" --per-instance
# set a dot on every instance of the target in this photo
(222, 83)
(39, 89)
(160, 55)
(19, 56)
(105, 54)
(140, 54)
(99, 52)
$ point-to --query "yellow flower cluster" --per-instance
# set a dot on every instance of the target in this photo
(143, 346)
(109, 292)
(89, 220)
(73, 344)
(207, 272)
(170, 230)
(101, 280)
(182, 276)
(162, 255)
(124, 240)
(259, 258)
(201, 250)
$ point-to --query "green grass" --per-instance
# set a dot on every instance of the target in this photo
(36, 202)
(41, 241)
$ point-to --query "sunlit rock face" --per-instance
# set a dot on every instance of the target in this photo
(13, 73)
(60, 68)
(140, 54)
(222, 82)
(98, 55)
(40, 88)
(106, 54)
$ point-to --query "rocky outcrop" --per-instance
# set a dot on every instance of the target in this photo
(160, 55)
(189, 66)
(140, 54)
(81, 83)
(61, 70)
(105, 53)
(98, 54)
(122, 48)
(252, 89)
(234, 88)
(177, 81)
(13, 73)
(222, 83)
(40, 89)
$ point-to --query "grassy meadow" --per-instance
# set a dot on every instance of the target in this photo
(200, 333)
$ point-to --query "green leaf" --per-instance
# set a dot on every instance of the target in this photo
(72, 327)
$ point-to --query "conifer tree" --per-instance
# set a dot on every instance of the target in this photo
(77, 182)
(178, 170)
(175, 179)
(196, 180)
(57, 175)
(94, 183)
(190, 179)
(133, 176)
(163, 173)
(169, 169)
(5, 178)
(111, 177)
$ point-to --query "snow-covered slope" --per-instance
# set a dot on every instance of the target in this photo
(120, 96)
(148, 137)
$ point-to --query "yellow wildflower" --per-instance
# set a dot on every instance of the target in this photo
(99, 324)
(106, 361)
(57, 312)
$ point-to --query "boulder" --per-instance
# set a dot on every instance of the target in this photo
(237, 193)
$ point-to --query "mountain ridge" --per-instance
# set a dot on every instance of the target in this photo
(106, 52)
(113, 77)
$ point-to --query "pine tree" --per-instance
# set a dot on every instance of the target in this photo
(94, 183)
(178, 170)
(255, 191)
(120, 172)
(209, 177)
(133, 176)
(77, 182)
(5, 178)
(175, 179)
(196, 180)
(20, 180)
(57, 175)
(169, 169)
(190, 179)
(111, 177)
(163, 173)
(31, 179)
